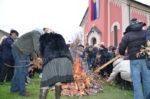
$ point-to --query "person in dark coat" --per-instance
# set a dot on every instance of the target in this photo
(90, 58)
(1, 62)
(95, 53)
(134, 37)
(7, 58)
(57, 63)
(96, 61)
(105, 57)
(147, 45)
(86, 49)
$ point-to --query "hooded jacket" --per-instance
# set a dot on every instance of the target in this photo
(134, 37)
(147, 38)
(123, 67)
(28, 44)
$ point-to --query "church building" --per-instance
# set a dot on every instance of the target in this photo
(106, 20)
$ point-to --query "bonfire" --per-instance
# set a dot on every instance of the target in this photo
(84, 83)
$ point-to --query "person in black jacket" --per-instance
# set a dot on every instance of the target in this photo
(1, 62)
(57, 63)
(132, 40)
(90, 58)
(105, 57)
(7, 57)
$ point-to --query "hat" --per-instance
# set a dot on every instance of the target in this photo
(14, 31)
(114, 48)
(134, 21)
(102, 46)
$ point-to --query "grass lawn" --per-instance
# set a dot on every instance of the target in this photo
(109, 92)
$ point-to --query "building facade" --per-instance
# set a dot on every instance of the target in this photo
(3, 33)
(113, 18)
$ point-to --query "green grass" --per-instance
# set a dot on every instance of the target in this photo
(109, 92)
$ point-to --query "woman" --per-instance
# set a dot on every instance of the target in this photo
(57, 63)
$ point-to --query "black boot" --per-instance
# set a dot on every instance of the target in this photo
(122, 87)
(43, 93)
(57, 90)
(129, 87)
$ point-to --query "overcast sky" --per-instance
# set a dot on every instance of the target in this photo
(145, 1)
(64, 16)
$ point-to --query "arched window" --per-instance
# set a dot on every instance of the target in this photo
(94, 41)
(115, 35)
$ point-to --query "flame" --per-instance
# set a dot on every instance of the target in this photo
(76, 86)
(88, 81)
(82, 84)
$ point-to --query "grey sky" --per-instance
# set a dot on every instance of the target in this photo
(63, 16)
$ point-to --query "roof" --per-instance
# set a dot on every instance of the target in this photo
(95, 28)
(3, 32)
(86, 12)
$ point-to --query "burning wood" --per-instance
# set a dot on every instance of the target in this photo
(106, 64)
(84, 84)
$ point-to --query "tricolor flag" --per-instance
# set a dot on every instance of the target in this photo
(94, 9)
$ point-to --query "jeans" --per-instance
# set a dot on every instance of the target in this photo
(21, 71)
(139, 72)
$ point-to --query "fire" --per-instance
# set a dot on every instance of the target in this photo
(83, 85)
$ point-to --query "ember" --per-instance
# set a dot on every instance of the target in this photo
(84, 85)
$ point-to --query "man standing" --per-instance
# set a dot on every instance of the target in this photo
(7, 57)
(25, 46)
(90, 58)
(134, 37)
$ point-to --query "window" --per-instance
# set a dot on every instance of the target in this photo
(115, 35)
(93, 41)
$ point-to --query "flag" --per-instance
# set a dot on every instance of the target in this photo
(94, 9)
(95, 12)
(97, 8)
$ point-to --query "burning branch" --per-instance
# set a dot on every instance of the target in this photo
(106, 64)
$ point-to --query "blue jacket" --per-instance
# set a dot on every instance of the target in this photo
(6, 49)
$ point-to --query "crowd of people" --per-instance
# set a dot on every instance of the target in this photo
(53, 59)
(93, 57)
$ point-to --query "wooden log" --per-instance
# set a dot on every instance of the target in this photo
(107, 63)
(86, 92)
(58, 90)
